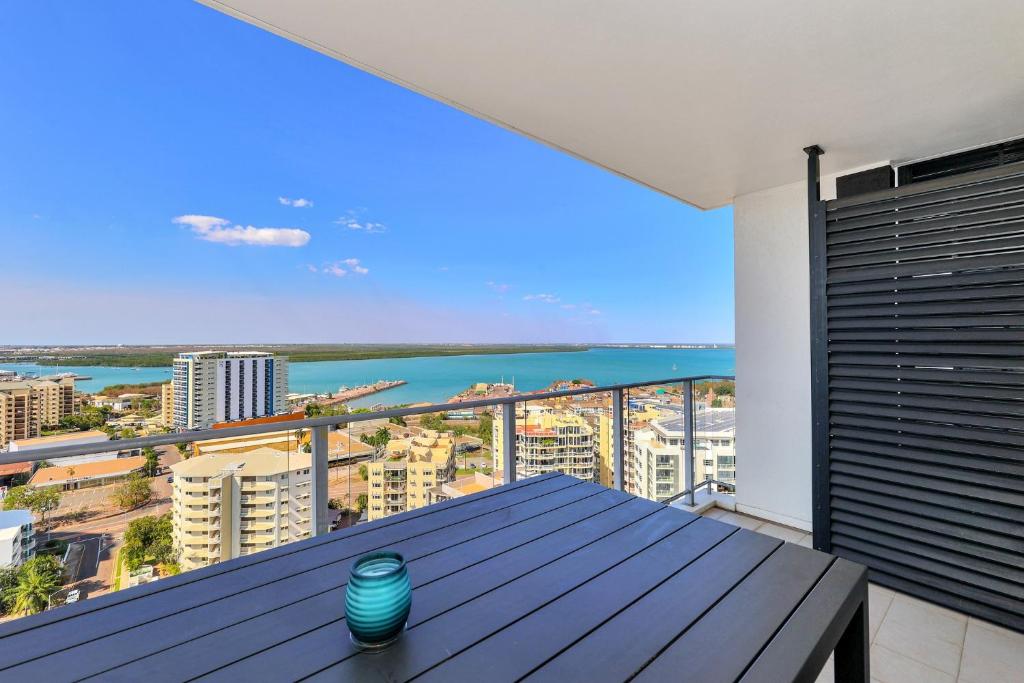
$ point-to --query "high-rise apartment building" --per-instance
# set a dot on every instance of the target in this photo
(26, 406)
(548, 440)
(230, 505)
(220, 386)
(658, 452)
(167, 404)
(411, 468)
(17, 539)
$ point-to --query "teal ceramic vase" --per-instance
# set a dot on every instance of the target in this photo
(377, 599)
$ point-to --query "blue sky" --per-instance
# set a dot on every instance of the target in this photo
(152, 156)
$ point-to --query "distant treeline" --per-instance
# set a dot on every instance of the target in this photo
(150, 388)
(141, 356)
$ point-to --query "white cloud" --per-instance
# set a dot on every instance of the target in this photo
(299, 203)
(343, 268)
(546, 298)
(568, 307)
(498, 287)
(311, 268)
(353, 263)
(443, 269)
(352, 222)
(220, 230)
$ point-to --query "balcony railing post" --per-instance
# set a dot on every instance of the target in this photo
(318, 489)
(688, 464)
(508, 441)
(618, 442)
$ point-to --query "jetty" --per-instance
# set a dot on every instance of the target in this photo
(353, 393)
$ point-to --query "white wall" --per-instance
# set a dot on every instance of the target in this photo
(773, 366)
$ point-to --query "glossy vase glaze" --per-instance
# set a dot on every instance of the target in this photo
(377, 599)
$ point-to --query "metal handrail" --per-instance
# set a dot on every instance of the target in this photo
(55, 452)
(690, 491)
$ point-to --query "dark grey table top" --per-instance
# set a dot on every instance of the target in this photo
(547, 578)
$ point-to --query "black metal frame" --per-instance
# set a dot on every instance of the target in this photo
(821, 515)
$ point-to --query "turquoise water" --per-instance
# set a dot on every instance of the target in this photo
(437, 378)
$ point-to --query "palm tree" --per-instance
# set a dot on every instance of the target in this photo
(33, 590)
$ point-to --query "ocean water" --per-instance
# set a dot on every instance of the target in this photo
(434, 379)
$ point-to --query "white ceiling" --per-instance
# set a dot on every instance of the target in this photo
(701, 99)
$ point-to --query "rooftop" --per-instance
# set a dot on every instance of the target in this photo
(714, 420)
(259, 462)
(88, 470)
(58, 439)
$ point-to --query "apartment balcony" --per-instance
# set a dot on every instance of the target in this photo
(878, 356)
(258, 500)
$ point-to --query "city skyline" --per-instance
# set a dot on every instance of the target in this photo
(173, 174)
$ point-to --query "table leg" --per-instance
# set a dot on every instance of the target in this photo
(852, 658)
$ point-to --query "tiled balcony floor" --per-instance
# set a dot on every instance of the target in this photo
(916, 641)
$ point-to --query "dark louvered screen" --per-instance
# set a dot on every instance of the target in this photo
(925, 320)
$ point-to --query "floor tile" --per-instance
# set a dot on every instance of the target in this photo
(879, 600)
(781, 532)
(992, 654)
(807, 541)
(715, 513)
(912, 629)
(888, 666)
(740, 520)
(828, 672)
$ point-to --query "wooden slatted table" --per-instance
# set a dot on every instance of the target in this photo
(549, 578)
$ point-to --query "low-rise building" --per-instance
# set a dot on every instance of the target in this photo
(17, 537)
(227, 505)
(88, 474)
(410, 469)
(93, 436)
(548, 440)
(121, 403)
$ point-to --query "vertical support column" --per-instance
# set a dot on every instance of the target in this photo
(821, 513)
(318, 485)
(618, 441)
(688, 442)
(853, 651)
(508, 441)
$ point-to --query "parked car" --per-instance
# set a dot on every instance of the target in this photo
(170, 479)
(73, 596)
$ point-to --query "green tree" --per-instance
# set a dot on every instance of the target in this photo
(363, 474)
(486, 426)
(134, 491)
(183, 450)
(147, 407)
(38, 500)
(314, 410)
(127, 433)
(38, 579)
(397, 420)
(148, 538)
(8, 580)
(434, 421)
(361, 500)
(152, 461)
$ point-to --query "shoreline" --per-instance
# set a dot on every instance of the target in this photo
(162, 357)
